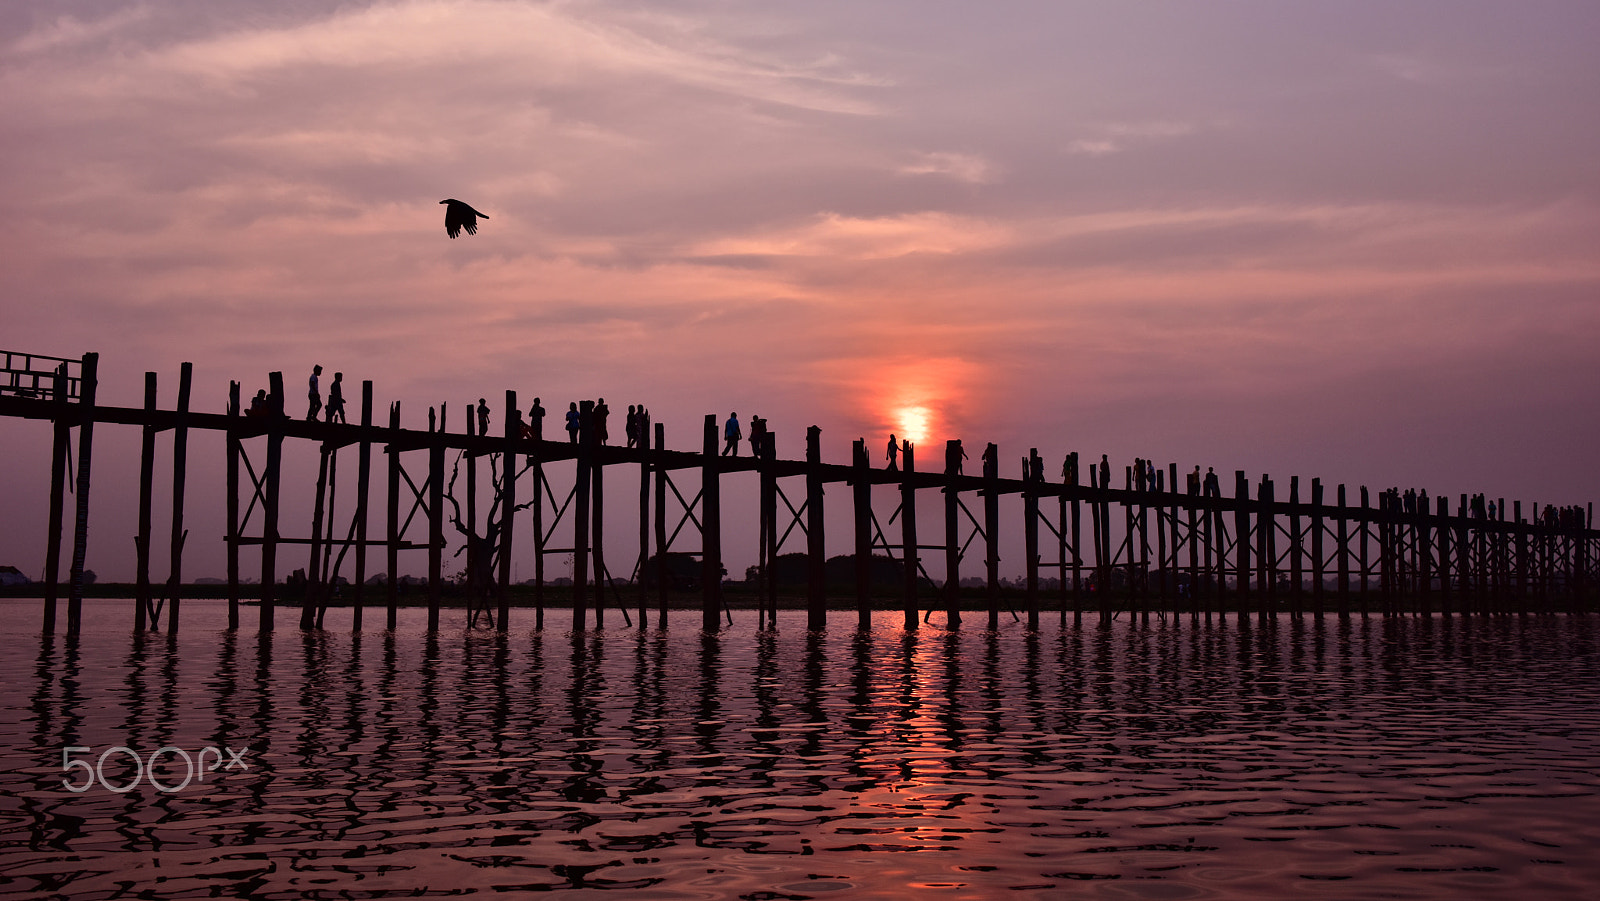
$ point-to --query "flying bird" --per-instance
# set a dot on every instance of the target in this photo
(458, 215)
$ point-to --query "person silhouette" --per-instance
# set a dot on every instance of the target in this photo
(315, 396)
(601, 411)
(574, 422)
(631, 426)
(483, 416)
(336, 398)
(758, 434)
(892, 453)
(731, 434)
(258, 404)
(534, 427)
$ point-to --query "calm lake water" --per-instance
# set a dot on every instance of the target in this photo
(1377, 759)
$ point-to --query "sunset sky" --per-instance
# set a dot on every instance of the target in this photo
(1359, 241)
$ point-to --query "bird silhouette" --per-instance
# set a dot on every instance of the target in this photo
(458, 215)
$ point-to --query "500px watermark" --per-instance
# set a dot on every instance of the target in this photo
(160, 767)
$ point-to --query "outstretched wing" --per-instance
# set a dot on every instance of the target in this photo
(458, 216)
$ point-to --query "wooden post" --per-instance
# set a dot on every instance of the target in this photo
(597, 513)
(1195, 514)
(1520, 562)
(861, 471)
(1241, 520)
(1386, 556)
(661, 525)
(765, 502)
(233, 504)
(580, 520)
(1443, 515)
(1363, 533)
(952, 534)
(1319, 560)
(508, 507)
(768, 587)
(1266, 551)
(324, 577)
(1146, 595)
(991, 530)
(1030, 534)
(313, 596)
(180, 472)
(143, 602)
(642, 430)
(61, 441)
(540, 492)
(80, 534)
(436, 522)
(1131, 529)
(476, 580)
(269, 500)
(1495, 563)
(1173, 504)
(1424, 542)
(1215, 566)
(1342, 538)
(363, 484)
(1102, 572)
(816, 546)
(392, 590)
(711, 530)
(1077, 540)
(1297, 591)
(908, 532)
(1463, 548)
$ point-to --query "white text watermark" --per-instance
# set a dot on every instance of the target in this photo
(160, 767)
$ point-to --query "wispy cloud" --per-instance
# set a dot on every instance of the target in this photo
(966, 167)
(509, 44)
(1115, 137)
(834, 236)
(68, 31)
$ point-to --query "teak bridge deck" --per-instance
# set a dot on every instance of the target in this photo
(1249, 553)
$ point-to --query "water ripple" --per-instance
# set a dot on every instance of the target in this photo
(1395, 758)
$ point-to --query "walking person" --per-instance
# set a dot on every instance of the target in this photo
(574, 422)
(731, 434)
(336, 399)
(758, 435)
(892, 454)
(315, 395)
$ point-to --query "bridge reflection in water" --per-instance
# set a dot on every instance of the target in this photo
(1419, 757)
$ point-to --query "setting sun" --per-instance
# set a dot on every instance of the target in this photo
(913, 422)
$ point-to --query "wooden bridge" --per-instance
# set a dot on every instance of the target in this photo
(1148, 546)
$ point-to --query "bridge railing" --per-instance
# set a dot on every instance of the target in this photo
(34, 375)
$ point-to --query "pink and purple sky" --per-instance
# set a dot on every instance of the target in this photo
(1354, 241)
